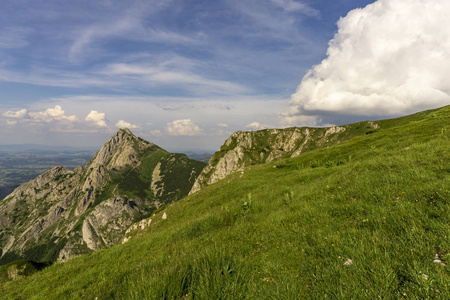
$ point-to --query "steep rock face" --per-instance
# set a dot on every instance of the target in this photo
(243, 149)
(120, 151)
(63, 213)
(123, 149)
(105, 225)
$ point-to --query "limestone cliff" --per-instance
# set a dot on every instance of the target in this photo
(64, 213)
(243, 149)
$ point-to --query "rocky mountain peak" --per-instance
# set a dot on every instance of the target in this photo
(120, 150)
(122, 135)
(125, 130)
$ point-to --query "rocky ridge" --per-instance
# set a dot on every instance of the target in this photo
(64, 213)
(245, 148)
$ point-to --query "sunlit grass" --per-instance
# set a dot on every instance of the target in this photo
(288, 231)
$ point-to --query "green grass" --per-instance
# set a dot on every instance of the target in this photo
(284, 230)
(178, 174)
(265, 143)
(19, 269)
(133, 182)
(136, 182)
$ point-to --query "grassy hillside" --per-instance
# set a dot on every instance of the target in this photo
(19, 269)
(247, 148)
(365, 219)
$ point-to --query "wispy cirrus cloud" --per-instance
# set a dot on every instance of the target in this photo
(56, 78)
(141, 23)
(297, 6)
(14, 37)
(177, 76)
(130, 26)
(127, 76)
(77, 43)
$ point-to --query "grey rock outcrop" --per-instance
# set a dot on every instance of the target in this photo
(243, 148)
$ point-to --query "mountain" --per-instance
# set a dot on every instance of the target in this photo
(365, 218)
(246, 148)
(65, 213)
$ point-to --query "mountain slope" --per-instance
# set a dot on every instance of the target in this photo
(246, 148)
(63, 213)
(243, 149)
(364, 219)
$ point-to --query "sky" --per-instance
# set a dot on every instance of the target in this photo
(186, 74)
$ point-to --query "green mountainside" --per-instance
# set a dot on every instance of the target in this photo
(365, 218)
(63, 213)
(243, 149)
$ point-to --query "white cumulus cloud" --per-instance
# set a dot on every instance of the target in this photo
(52, 114)
(390, 58)
(10, 123)
(183, 127)
(97, 118)
(256, 126)
(19, 114)
(156, 132)
(124, 124)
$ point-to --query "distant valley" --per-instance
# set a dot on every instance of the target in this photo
(21, 163)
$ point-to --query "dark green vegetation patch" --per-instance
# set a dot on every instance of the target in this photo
(20, 269)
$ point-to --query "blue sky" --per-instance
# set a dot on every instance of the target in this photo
(182, 74)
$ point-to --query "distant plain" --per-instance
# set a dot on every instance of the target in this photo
(21, 163)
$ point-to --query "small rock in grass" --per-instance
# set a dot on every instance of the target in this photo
(348, 262)
(437, 260)
(164, 216)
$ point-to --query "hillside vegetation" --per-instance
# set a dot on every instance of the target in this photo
(247, 148)
(66, 213)
(365, 219)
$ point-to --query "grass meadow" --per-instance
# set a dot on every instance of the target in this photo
(366, 219)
